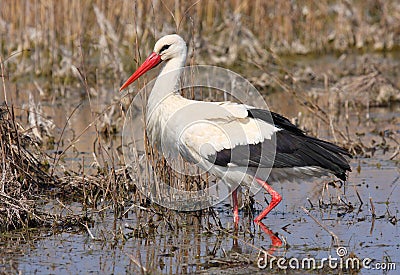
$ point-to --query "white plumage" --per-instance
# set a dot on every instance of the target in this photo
(236, 142)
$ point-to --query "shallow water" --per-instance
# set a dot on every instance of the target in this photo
(189, 244)
(192, 248)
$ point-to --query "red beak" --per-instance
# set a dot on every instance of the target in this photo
(153, 60)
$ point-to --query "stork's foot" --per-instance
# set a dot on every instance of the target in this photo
(235, 208)
(275, 200)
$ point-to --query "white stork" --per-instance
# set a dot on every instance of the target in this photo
(240, 135)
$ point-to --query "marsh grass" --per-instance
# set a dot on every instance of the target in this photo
(27, 182)
(23, 174)
(53, 34)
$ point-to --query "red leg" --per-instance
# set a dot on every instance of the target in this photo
(275, 240)
(275, 200)
(235, 208)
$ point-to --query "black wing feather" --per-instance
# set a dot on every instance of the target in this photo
(293, 149)
(277, 119)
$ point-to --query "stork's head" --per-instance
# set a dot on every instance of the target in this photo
(166, 48)
(170, 46)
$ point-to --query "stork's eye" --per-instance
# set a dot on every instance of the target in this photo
(165, 47)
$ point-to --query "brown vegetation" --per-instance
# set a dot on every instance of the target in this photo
(45, 37)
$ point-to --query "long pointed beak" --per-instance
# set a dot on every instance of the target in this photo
(151, 61)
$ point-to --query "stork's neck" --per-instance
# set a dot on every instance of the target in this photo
(167, 82)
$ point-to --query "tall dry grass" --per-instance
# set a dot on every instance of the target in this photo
(112, 33)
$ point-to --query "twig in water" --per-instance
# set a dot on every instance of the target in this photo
(216, 218)
(373, 215)
(348, 204)
(395, 184)
(372, 226)
(311, 204)
(138, 206)
(358, 195)
(334, 236)
(392, 219)
(396, 152)
(63, 205)
(372, 207)
(88, 230)
(137, 262)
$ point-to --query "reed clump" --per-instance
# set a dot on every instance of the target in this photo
(24, 174)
